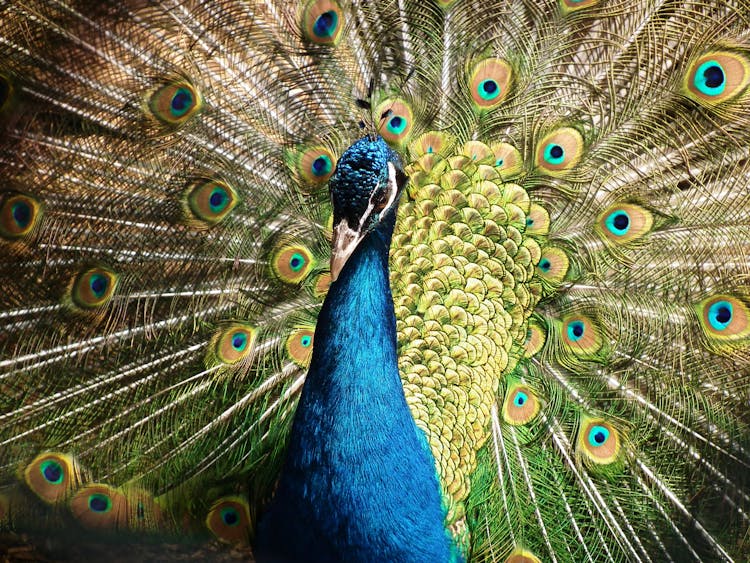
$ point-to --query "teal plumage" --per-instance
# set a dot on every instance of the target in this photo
(569, 264)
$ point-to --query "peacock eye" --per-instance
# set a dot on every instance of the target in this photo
(100, 503)
(576, 330)
(624, 223)
(554, 154)
(293, 263)
(559, 151)
(322, 22)
(174, 103)
(230, 516)
(720, 315)
(94, 288)
(19, 215)
(52, 471)
(716, 77)
(598, 435)
(210, 201)
(395, 120)
(489, 82)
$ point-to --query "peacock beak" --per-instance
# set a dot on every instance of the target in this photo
(346, 237)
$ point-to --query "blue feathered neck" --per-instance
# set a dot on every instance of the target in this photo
(359, 483)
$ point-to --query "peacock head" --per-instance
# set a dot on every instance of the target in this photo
(365, 189)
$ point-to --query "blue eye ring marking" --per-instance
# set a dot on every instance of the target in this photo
(576, 330)
(52, 472)
(182, 102)
(520, 399)
(720, 315)
(98, 502)
(618, 222)
(239, 341)
(554, 154)
(710, 78)
(326, 24)
(230, 516)
(598, 435)
(296, 262)
(489, 89)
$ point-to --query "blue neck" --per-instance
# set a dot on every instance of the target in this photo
(359, 482)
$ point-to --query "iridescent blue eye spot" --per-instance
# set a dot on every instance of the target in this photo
(720, 315)
(598, 435)
(98, 284)
(321, 166)
(575, 331)
(529, 221)
(230, 517)
(296, 262)
(218, 199)
(618, 223)
(520, 399)
(52, 472)
(545, 265)
(396, 124)
(554, 154)
(306, 340)
(489, 89)
(182, 102)
(21, 212)
(709, 79)
(326, 24)
(499, 162)
(239, 341)
(429, 150)
(99, 503)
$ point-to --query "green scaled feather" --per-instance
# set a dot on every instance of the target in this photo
(569, 267)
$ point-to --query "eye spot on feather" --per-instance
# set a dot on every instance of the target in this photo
(52, 476)
(19, 215)
(489, 82)
(99, 503)
(299, 346)
(229, 520)
(581, 336)
(520, 406)
(175, 103)
(234, 343)
(724, 318)
(322, 22)
(535, 338)
(598, 441)
(537, 220)
(315, 165)
(292, 264)
(559, 151)
(94, 288)
(553, 265)
(624, 222)
(210, 201)
(396, 120)
(508, 161)
(716, 77)
(100, 507)
(52, 471)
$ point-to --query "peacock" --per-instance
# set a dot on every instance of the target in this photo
(569, 276)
